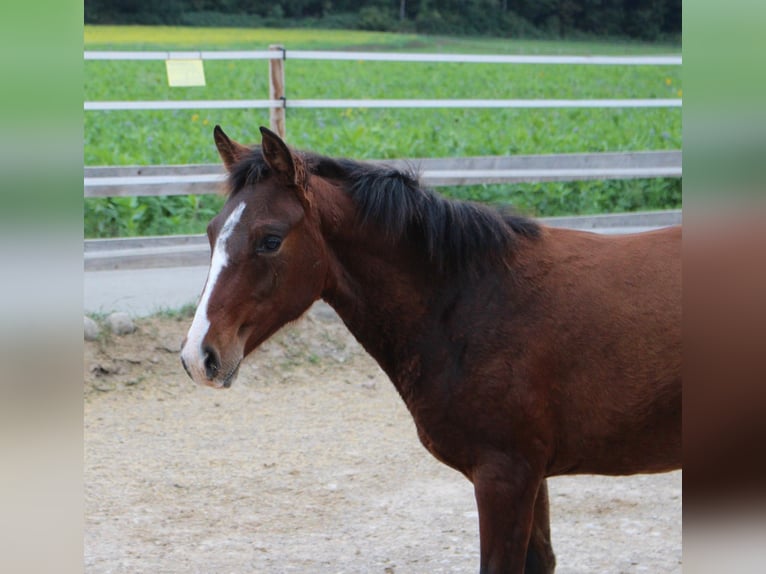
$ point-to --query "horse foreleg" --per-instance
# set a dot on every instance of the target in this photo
(540, 557)
(506, 498)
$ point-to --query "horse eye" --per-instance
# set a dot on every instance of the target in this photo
(270, 243)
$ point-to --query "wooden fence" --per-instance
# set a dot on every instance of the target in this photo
(278, 100)
(171, 180)
(111, 181)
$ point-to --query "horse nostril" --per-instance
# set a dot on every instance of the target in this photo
(211, 362)
(186, 367)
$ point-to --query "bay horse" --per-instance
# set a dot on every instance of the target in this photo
(521, 351)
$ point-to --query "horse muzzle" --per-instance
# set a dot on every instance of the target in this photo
(205, 367)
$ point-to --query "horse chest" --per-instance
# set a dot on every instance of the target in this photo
(442, 415)
(443, 450)
(443, 436)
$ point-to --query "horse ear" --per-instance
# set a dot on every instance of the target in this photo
(229, 150)
(278, 155)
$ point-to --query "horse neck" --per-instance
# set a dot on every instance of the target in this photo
(378, 287)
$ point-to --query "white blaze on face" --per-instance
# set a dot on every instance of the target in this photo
(192, 354)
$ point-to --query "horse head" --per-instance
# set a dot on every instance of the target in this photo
(268, 262)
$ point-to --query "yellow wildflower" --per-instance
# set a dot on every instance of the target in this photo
(195, 117)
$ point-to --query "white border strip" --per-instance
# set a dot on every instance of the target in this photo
(485, 58)
(182, 105)
(478, 103)
(385, 57)
(152, 179)
(289, 103)
(183, 55)
(596, 173)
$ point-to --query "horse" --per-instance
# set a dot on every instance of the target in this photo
(521, 351)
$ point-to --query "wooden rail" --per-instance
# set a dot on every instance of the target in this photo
(436, 172)
(285, 54)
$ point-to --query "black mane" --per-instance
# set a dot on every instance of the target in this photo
(248, 171)
(454, 234)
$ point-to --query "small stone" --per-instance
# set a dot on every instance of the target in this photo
(120, 323)
(91, 329)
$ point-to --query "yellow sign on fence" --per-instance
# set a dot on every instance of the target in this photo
(185, 73)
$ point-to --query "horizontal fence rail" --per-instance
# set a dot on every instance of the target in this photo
(385, 57)
(194, 250)
(378, 103)
(437, 172)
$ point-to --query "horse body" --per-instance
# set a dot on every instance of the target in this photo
(521, 351)
(562, 343)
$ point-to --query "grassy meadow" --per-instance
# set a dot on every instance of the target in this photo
(177, 137)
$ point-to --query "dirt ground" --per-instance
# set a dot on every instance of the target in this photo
(310, 463)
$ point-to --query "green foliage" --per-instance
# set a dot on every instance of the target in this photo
(532, 18)
(219, 19)
(183, 137)
(183, 313)
(375, 18)
(141, 216)
(577, 197)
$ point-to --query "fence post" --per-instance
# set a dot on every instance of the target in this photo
(277, 91)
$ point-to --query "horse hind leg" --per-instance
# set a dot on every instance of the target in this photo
(540, 557)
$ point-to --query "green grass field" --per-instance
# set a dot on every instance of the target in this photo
(176, 137)
(164, 38)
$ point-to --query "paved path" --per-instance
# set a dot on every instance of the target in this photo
(142, 292)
